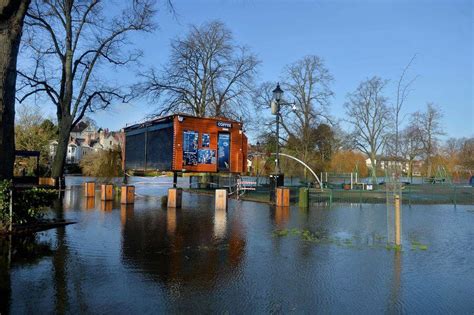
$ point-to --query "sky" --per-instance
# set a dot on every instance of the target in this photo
(356, 39)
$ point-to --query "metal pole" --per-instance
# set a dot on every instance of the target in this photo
(10, 208)
(397, 221)
(277, 160)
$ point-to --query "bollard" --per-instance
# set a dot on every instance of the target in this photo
(397, 221)
(107, 192)
(89, 189)
(127, 194)
(175, 196)
(283, 197)
(303, 197)
(221, 199)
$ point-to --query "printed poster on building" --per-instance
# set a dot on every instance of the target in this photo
(206, 156)
(190, 147)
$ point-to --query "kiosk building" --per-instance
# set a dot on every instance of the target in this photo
(185, 143)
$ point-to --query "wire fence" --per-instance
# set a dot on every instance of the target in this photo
(423, 193)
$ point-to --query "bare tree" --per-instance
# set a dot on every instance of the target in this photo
(429, 124)
(403, 90)
(369, 114)
(307, 83)
(208, 74)
(410, 145)
(70, 40)
(12, 14)
(466, 154)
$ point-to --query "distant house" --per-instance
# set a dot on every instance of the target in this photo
(384, 162)
(85, 139)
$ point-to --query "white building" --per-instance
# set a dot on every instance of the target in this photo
(85, 139)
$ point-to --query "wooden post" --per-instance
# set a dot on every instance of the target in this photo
(107, 192)
(89, 189)
(283, 197)
(397, 221)
(127, 194)
(221, 199)
(304, 197)
(175, 196)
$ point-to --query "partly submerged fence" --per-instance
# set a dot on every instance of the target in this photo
(410, 193)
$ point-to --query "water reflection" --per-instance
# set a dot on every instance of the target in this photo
(281, 216)
(18, 252)
(171, 221)
(89, 203)
(183, 247)
(394, 300)
(106, 205)
(126, 213)
(142, 258)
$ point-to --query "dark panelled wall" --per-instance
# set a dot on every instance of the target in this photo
(160, 149)
(157, 154)
(135, 151)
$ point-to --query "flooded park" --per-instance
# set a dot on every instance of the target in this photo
(252, 258)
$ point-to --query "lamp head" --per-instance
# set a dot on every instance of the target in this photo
(277, 93)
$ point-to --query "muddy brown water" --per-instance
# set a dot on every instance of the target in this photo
(145, 259)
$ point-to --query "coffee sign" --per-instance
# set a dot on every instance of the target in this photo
(223, 124)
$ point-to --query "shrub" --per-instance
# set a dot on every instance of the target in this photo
(103, 163)
(27, 204)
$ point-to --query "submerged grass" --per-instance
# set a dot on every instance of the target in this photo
(321, 237)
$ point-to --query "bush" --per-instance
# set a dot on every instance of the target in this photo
(102, 163)
(27, 204)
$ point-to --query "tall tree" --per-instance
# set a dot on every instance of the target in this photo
(369, 114)
(410, 145)
(429, 124)
(70, 41)
(307, 83)
(466, 155)
(208, 74)
(403, 90)
(12, 14)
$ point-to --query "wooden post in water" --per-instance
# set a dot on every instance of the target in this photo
(175, 196)
(282, 197)
(398, 229)
(127, 194)
(107, 192)
(304, 197)
(221, 199)
(89, 189)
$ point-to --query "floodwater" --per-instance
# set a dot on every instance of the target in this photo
(252, 258)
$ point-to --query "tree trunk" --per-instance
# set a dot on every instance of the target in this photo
(65, 125)
(12, 14)
(373, 169)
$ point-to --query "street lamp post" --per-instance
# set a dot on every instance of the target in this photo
(276, 179)
(277, 94)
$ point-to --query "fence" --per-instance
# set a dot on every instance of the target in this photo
(410, 193)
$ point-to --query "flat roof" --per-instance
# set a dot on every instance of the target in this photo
(168, 118)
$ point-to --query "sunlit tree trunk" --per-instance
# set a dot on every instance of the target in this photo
(12, 14)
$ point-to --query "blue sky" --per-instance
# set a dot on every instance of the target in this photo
(357, 40)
